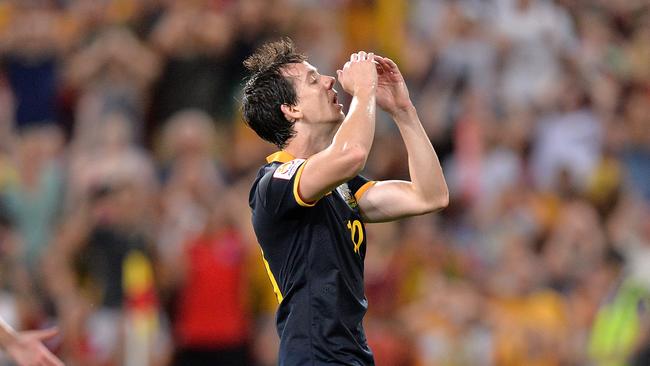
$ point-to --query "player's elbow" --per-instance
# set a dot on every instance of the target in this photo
(442, 201)
(353, 160)
(436, 202)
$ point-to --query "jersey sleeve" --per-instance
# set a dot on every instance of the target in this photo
(359, 185)
(278, 189)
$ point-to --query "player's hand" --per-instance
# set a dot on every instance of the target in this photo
(392, 93)
(27, 349)
(359, 74)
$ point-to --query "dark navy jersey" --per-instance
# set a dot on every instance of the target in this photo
(314, 254)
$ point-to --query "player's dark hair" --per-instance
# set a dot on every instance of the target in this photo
(267, 90)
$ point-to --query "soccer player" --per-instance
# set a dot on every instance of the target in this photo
(309, 202)
(26, 348)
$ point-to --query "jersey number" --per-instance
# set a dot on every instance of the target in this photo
(356, 232)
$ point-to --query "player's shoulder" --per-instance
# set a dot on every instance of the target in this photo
(275, 180)
(282, 171)
(286, 170)
(276, 172)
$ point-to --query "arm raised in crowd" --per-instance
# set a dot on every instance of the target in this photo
(26, 348)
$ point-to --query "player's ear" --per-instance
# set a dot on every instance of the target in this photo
(291, 112)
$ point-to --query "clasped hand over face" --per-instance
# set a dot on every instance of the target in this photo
(359, 75)
(367, 72)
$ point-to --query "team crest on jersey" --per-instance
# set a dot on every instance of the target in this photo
(288, 169)
(344, 191)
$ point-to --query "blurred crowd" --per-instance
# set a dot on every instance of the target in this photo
(125, 170)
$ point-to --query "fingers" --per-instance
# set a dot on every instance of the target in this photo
(392, 64)
(51, 360)
(387, 63)
(359, 56)
(44, 334)
(46, 358)
(379, 67)
(382, 61)
(362, 56)
(359, 73)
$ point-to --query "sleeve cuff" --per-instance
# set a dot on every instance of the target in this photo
(296, 195)
(362, 190)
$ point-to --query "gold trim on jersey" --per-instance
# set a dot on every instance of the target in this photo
(296, 194)
(362, 190)
(281, 156)
(285, 157)
(276, 289)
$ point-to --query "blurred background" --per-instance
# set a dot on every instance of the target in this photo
(125, 170)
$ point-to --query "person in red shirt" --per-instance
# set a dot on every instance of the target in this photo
(211, 323)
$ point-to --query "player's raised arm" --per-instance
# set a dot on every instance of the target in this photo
(427, 190)
(346, 155)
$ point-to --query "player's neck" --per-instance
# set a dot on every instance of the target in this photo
(308, 142)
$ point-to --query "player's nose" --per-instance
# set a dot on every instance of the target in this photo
(329, 82)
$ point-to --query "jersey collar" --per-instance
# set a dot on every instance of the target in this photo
(280, 156)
